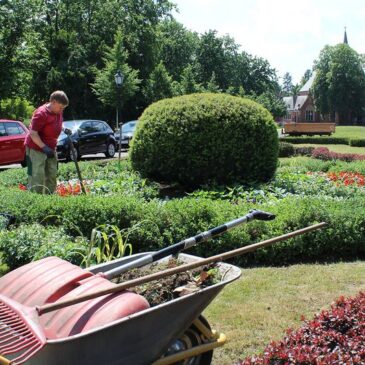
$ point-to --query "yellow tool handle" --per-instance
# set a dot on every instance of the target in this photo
(4, 361)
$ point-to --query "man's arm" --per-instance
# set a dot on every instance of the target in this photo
(36, 139)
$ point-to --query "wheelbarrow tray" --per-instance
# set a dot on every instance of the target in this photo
(138, 339)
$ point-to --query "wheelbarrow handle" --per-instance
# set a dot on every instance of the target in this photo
(187, 243)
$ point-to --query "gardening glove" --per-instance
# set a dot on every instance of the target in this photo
(48, 151)
(67, 131)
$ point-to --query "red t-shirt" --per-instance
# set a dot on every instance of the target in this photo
(48, 125)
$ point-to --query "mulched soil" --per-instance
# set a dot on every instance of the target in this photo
(174, 286)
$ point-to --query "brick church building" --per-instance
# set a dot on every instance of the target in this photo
(301, 108)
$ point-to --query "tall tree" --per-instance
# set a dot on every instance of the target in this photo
(104, 86)
(159, 85)
(288, 86)
(307, 75)
(339, 85)
(14, 23)
(177, 47)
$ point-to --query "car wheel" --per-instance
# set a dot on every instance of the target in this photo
(70, 155)
(110, 150)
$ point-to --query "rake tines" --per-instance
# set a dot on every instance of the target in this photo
(20, 337)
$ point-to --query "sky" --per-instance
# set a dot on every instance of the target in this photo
(289, 34)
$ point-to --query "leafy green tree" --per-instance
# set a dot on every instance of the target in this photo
(159, 85)
(288, 86)
(339, 85)
(188, 84)
(177, 47)
(13, 26)
(273, 103)
(212, 85)
(104, 85)
(307, 75)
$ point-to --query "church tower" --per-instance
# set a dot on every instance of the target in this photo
(345, 41)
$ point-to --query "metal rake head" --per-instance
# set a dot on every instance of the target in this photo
(20, 334)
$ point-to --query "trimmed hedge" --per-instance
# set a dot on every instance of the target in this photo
(317, 140)
(356, 142)
(286, 149)
(163, 223)
(197, 138)
(32, 242)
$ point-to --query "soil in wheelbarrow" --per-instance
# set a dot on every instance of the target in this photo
(174, 286)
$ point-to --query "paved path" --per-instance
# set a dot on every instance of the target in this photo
(97, 156)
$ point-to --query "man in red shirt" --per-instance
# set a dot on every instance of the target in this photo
(41, 142)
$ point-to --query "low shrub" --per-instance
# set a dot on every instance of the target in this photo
(334, 336)
(163, 223)
(357, 142)
(32, 242)
(303, 151)
(286, 149)
(198, 138)
(323, 153)
(317, 140)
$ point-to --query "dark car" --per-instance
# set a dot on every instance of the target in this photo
(128, 130)
(12, 136)
(89, 137)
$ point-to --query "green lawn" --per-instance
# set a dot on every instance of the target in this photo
(340, 148)
(260, 306)
(349, 132)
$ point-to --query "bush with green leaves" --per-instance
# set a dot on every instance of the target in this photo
(318, 140)
(286, 149)
(32, 242)
(357, 142)
(16, 109)
(168, 222)
(197, 138)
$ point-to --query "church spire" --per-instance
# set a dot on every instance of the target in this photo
(345, 41)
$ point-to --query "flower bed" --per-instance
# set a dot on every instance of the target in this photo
(336, 336)
(323, 153)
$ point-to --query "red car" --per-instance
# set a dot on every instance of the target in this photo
(12, 136)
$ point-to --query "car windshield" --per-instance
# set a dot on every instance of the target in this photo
(129, 127)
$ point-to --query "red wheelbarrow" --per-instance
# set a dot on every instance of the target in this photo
(52, 312)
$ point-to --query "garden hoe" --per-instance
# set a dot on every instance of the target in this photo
(68, 133)
(20, 324)
(188, 242)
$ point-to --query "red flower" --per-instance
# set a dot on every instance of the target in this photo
(22, 187)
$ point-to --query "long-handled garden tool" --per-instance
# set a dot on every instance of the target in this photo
(68, 133)
(188, 242)
(20, 326)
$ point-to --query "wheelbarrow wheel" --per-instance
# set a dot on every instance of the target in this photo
(192, 337)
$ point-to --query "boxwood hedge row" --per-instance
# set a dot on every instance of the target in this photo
(162, 223)
(355, 142)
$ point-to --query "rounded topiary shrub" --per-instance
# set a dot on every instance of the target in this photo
(197, 138)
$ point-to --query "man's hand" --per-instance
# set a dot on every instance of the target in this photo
(67, 131)
(48, 151)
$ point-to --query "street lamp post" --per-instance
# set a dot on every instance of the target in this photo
(119, 77)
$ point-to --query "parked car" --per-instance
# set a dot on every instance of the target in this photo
(12, 136)
(89, 137)
(128, 130)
